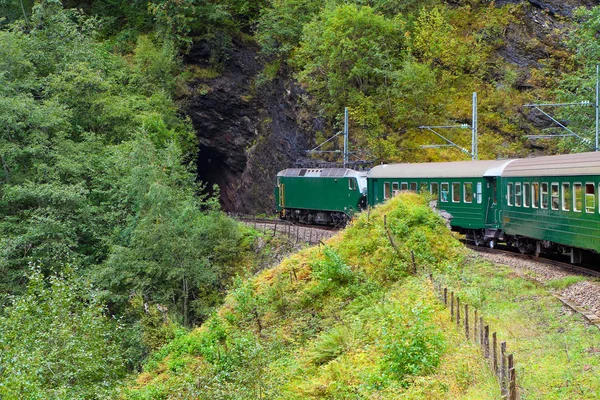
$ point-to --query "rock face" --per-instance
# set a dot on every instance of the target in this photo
(246, 132)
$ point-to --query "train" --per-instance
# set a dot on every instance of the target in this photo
(538, 205)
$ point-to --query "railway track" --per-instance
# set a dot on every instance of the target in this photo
(584, 299)
(299, 232)
(271, 221)
(555, 263)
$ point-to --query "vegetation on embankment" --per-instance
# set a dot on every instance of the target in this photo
(557, 355)
(342, 320)
(348, 320)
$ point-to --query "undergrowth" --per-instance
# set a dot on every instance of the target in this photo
(343, 320)
(348, 320)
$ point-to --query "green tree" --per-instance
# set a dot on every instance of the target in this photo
(170, 252)
(57, 342)
(578, 84)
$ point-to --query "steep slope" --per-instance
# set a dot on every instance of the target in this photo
(342, 320)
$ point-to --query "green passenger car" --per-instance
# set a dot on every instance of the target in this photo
(322, 196)
(551, 203)
(465, 189)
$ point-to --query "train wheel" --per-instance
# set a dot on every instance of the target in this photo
(492, 244)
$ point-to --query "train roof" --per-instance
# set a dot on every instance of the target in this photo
(321, 172)
(457, 169)
(563, 165)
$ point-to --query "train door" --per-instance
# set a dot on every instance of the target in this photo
(491, 211)
(282, 195)
(375, 195)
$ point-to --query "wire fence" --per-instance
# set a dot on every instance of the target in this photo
(476, 330)
(296, 232)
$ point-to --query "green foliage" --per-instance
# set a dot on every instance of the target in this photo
(171, 251)
(412, 345)
(348, 47)
(332, 271)
(281, 25)
(93, 172)
(323, 324)
(57, 343)
(578, 84)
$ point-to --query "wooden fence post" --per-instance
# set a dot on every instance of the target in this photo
(503, 369)
(512, 377)
(275, 228)
(311, 233)
(451, 305)
(467, 321)
(297, 233)
(414, 264)
(486, 340)
(446, 297)
(457, 311)
(495, 353)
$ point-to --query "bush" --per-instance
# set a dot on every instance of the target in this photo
(57, 342)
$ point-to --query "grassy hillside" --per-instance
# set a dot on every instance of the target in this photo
(344, 320)
(348, 320)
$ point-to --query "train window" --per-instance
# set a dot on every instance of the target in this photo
(578, 197)
(555, 196)
(435, 189)
(544, 195)
(468, 192)
(590, 197)
(495, 192)
(423, 187)
(479, 192)
(351, 183)
(566, 197)
(518, 194)
(455, 192)
(535, 195)
(394, 188)
(509, 194)
(444, 192)
(386, 190)
(526, 195)
(413, 186)
(404, 186)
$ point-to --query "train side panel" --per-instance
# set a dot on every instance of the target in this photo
(471, 201)
(339, 194)
(556, 209)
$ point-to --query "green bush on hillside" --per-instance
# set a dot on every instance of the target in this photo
(57, 342)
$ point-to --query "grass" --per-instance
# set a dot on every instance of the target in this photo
(348, 321)
(557, 355)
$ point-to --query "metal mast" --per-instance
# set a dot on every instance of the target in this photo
(474, 144)
(346, 136)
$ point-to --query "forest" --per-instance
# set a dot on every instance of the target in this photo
(110, 245)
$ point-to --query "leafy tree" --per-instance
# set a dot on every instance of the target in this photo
(578, 84)
(170, 252)
(57, 342)
(280, 26)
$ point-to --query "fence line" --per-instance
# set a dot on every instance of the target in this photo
(501, 363)
(295, 232)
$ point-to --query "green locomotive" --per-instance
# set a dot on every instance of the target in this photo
(320, 196)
